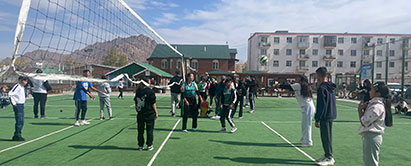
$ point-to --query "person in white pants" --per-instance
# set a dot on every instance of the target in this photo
(105, 99)
(304, 97)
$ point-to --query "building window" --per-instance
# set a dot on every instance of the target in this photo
(341, 52)
(194, 64)
(289, 52)
(392, 64)
(328, 52)
(276, 40)
(379, 52)
(276, 51)
(315, 52)
(354, 40)
(276, 63)
(314, 63)
(353, 52)
(263, 52)
(178, 64)
(289, 40)
(340, 64)
(171, 64)
(378, 76)
(366, 52)
(327, 63)
(379, 64)
(302, 52)
(379, 41)
(392, 52)
(164, 64)
(340, 40)
(263, 39)
(353, 64)
(288, 63)
(315, 40)
(216, 65)
(392, 40)
(302, 63)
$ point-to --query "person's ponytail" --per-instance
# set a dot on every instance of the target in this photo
(388, 113)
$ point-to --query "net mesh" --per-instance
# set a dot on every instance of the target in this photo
(62, 35)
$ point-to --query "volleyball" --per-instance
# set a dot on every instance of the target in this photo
(263, 59)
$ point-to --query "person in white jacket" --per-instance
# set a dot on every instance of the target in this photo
(374, 116)
(17, 98)
(105, 99)
(39, 93)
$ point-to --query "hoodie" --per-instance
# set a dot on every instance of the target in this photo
(326, 108)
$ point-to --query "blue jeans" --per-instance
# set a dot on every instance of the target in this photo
(19, 116)
(81, 105)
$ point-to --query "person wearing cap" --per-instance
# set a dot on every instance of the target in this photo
(175, 85)
(18, 98)
(39, 93)
(374, 116)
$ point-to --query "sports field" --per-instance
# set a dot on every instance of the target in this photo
(54, 141)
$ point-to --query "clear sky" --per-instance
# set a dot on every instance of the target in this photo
(232, 21)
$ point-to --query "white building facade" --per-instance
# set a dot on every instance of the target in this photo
(341, 53)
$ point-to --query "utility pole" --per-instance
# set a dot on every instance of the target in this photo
(373, 63)
(387, 51)
(404, 49)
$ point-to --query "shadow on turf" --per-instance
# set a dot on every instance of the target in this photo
(257, 160)
(252, 143)
(101, 147)
(178, 130)
(52, 124)
(5, 140)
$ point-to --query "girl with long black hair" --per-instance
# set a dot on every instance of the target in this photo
(374, 116)
(305, 100)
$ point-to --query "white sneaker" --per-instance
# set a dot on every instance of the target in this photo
(194, 129)
(306, 145)
(84, 122)
(140, 148)
(326, 162)
(251, 111)
(233, 129)
(240, 118)
(185, 131)
(76, 123)
(150, 148)
(216, 117)
(223, 130)
(320, 159)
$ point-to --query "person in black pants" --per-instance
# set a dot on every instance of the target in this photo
(242, 91)
(145, 102)
(252, 91)
(189, 91)
(120, 87)
(39, 93)
(326, 113)
(211, 90)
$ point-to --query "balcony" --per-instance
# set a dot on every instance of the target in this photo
(303, 45)
(368, 45)
(330, 41)
(303, 57)
(264, 45)
(329, 57)
(302, 69)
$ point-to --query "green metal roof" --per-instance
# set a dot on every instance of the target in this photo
(193, 51)
(137, 67)
(50, 71)
(233, 51)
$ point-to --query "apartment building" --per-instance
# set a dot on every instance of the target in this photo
(341, 53)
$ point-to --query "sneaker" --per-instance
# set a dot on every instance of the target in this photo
(36, 116)
(326, 162)
(306, 145)
(102, 118)
(140, 148)
(216, 117)
(111, 118)
(173, 114)
(77, 123)
(150, 148)
(251, 111)
(18, 138)
(223, 130)
(240, 117)
(185, 131)
(43, 117)
(233, 129)
(194, 129)
(84, 122)
(320, 159)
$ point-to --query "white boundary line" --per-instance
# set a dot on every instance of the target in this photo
(39, 138)
(162, 145)
(285, 139)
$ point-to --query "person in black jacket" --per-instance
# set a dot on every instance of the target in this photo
(211, 90)
(228, 99)
(326, 113)
(252, 91)
(145, 103)
(175, 85)
(242, 91)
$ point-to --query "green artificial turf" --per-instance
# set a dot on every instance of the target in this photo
(114, 142)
